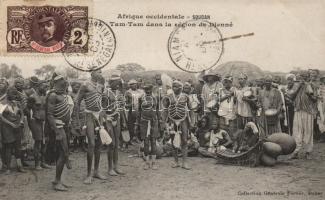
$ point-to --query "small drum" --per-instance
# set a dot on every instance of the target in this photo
(211, 104)
(248, 93)
(271, 116)
(194, 105)
(125, 136)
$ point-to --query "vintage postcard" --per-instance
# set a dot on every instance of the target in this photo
(149, 99)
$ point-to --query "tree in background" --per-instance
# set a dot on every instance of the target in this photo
(130, 67)
(45, 72)
(71, 73)
(9, 72)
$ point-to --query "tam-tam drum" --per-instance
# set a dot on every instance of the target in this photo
(271, 116)
(211, 104)
(248, 93)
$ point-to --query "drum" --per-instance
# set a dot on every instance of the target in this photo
(248, 93)
(271, 116)
(125, 136)
(211, 104)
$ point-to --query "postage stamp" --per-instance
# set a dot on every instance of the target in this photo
(101, 47)
(46, 29)
(195, 45)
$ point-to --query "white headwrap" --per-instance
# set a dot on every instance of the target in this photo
(291, 76)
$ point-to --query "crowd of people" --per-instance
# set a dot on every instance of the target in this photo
(214, 112)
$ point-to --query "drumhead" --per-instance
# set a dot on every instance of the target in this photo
(270, 112)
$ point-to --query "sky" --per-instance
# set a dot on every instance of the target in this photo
(287, 33)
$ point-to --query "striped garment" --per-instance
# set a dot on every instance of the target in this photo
(303, 102)
(303, 128)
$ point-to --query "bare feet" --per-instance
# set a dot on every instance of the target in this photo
(64, 184)
(112, 173)
(60, 187)
(146, 166)
(45, 166)
(88, 180)
(185, 166)
(68, 164)
(117, 170)
(175, 165)
(99, 176)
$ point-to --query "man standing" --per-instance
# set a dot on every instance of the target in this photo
(305, 102)
(245, 106)
(269, 98)
(22, 101)
(3, 99)
(227, 109)
(91, 92)
(115, 121)
(210, 92)
(132, 97)
(178, 122)
(36, 119)
(148, 126)
(58, 118)
(77, 130)
(291, 78)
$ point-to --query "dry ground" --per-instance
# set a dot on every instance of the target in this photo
(207, 180)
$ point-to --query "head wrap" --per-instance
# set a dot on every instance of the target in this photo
(19, 79)
(187, 84)
(243, 76)
(291, 76)
(34, 80)
(268, 78)
(177, 82)
(228, 77)
(3, 80)
(132, 81)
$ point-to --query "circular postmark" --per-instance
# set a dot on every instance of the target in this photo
(195, 46)
(101, 47)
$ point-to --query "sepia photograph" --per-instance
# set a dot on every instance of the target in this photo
(162, 100)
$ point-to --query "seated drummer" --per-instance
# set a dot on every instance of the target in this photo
(219, 139)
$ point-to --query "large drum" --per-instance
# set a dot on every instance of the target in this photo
(271, 116)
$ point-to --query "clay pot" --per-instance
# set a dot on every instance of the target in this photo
(287, 142)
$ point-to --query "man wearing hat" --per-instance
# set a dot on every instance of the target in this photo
(47, 29)
(91, 92)
(132, 96)
(58, 116)
(36, 120)
(210, 92)
(227, 109)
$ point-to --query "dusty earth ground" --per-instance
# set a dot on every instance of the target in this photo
(206, 180)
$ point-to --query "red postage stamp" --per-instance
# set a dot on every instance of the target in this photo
(47, 29)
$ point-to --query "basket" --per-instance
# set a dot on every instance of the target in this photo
(248, 158)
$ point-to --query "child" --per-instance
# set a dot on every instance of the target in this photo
(219, 139)
(11, 129)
